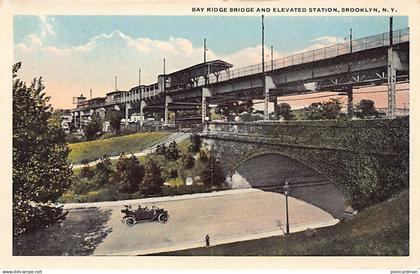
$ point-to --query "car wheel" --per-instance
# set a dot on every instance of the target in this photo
(129, 221)
(163, 218)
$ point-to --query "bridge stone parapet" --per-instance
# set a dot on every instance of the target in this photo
(366, 159)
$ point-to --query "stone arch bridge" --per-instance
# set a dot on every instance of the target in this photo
(330, 164)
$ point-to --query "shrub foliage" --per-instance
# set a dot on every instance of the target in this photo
(130, 174)
(152, 181)
(213, 174)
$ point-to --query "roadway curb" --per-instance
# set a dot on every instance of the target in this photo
(159, 199)
(222, 241)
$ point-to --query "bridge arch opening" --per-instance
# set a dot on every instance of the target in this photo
(269, 172)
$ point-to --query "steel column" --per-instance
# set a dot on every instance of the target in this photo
(168, 100)
(203, 109)
(350, 111)
(141, 112)
(205, 92)
(275, 107)
(126, 115)
(392, 75)
(166, 111)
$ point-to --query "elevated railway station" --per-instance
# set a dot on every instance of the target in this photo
(375, 60)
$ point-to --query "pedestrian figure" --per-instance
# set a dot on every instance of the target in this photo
(207, 240)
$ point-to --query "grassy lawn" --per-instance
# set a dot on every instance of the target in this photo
(379, 230)
(113, 146)
(184, 145)
(78, 235)
(298, 113)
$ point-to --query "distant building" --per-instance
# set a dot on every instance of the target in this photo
(65, 119)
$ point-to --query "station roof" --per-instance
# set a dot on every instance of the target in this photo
(198, 70)
(114, 92)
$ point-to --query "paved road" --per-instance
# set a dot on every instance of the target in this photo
(226, 216)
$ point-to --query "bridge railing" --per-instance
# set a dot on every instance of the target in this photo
(374, 135)
(370, 42)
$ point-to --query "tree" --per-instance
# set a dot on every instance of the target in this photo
(161, 150)
(41, 169)
(284, 110)
(366, 108)
(173, 152)
(130, 174)
(152, 181)
(187, 161)
(325, 110)
(114, 118)
(231, 109)
(195, 143)
(313, 112)
(224, 110)
(204, 157)
(213, 174)
(93, 128)
(103, 171)
(331, 109)
(250, 117)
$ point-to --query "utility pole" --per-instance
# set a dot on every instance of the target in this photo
(164, 65)
(115, 83)
(350, 87)
(166, 114)
(272, 60)
(139, 76)
(205, 50)
(90, 93)
(392, 74)
(141, 100)
(265, 90)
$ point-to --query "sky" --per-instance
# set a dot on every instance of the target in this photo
(77, 53)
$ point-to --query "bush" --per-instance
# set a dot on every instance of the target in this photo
(82, 185)
(152, 181)
(71, 138)
(129, 173)
(173, 174)
(85, 161)
(127, 131)
(182, 190)
(161, 150)
(173, 152)
(86, 172)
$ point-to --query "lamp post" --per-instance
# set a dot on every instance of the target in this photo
(286, 189)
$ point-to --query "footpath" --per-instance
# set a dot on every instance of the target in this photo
(177, 137)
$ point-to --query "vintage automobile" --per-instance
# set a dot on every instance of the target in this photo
(132, 217)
